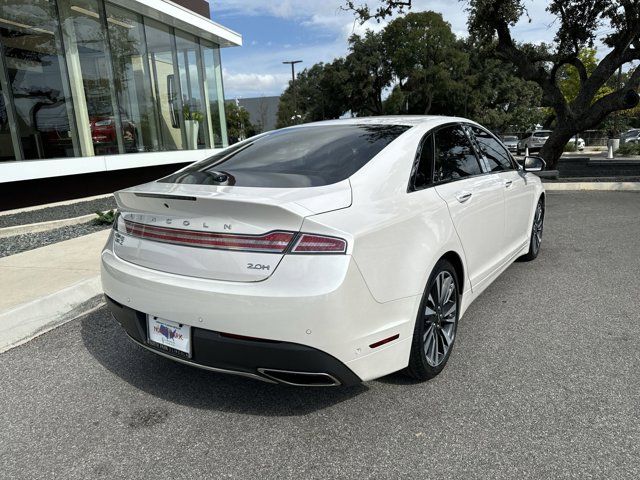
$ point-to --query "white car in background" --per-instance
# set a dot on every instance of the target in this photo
(322, 254)
(533, 140)
(581, 143)
(630, 136)
(511, 142)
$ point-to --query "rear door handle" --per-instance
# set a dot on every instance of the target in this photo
(508, 183)
(463, 196)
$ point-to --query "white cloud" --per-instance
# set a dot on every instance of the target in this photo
(253, 84)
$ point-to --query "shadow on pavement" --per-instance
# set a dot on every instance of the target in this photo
(193, 387)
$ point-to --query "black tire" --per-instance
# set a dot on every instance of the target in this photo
(435, 328)
(536, 233)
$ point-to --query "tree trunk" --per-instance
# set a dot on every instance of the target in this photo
(427, 108)
(554, 146)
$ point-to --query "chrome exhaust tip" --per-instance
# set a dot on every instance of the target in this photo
(300, 379)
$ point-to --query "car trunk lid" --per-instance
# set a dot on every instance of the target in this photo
(217, 232)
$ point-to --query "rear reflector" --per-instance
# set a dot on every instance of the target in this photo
(272, 242)
(386, 340)
(249, 339)
(308, 243)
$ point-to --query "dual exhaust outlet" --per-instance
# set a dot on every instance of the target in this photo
(300, 379)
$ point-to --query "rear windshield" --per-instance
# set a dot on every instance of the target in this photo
(509, 138)
(294, 157)
(541, 134)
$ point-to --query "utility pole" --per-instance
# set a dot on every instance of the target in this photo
(293, 86)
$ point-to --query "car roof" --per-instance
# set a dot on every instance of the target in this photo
(407, 120)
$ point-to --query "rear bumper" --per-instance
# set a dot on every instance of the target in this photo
(317, 310)
(260, 359)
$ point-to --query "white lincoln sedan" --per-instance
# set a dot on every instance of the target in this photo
(322, 254)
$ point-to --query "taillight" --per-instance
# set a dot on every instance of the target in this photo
(272, 242)
(309, 243)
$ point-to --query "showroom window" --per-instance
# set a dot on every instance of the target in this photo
(6, 135)
(35, 77)
(132, 77)
(193, 106)
(166, 85)
(83, 78)
(213, 73)
(90, 73)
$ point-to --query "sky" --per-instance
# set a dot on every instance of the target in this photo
(317, 31)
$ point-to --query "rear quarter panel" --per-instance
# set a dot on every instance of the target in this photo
(397, 236)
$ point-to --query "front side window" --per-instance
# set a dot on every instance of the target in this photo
(293, 157)
(497, 157)
(454, 155)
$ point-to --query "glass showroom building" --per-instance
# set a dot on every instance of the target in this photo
(100, 85)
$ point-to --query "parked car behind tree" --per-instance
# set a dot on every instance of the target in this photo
(630, 136)
(511, 142)
(533, 140)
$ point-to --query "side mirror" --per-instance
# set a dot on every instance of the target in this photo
(534, 164)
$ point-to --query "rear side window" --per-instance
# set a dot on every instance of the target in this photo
(454, 156)
(423, 168)
(294, 157)
(496, 155)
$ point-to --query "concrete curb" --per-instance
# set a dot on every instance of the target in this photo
(593, 186)
(27, 321)
(44, 226)
(56, 204)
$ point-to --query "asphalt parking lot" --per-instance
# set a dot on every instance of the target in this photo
(544, 382)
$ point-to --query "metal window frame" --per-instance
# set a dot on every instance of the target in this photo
(115, 105)
(178, 85)
(77, 112)
(10, 106)
(201, 84)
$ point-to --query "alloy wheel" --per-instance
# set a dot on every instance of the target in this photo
(440, 317)
(538, 225)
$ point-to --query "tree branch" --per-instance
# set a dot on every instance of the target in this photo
(622, 53)
(570, 60)
(622, 99)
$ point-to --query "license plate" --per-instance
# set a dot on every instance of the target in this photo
(172, 337)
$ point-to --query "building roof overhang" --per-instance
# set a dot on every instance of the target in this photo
(182, 18)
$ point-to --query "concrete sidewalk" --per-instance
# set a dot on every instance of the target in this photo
(41, 287)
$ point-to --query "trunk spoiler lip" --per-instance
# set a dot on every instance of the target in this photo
(165, 196)
(310, 200)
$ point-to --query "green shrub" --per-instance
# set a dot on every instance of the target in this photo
(192, 114)
(105, 218)
(570, 147)
(628, 149)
